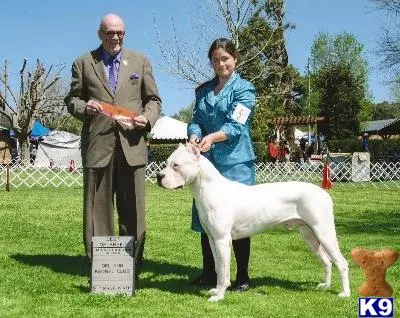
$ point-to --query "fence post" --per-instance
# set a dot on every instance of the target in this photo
(8, 178)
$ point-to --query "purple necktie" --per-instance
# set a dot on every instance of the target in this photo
(112, 74)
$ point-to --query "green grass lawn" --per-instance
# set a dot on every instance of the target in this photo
(43, 273)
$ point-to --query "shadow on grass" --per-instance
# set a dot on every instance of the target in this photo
(153, 274)
(375, 223)
(66, 264)
(282, 283)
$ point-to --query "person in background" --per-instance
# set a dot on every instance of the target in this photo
(220, 128)
(114, 154)
(303, 146)
(364, 142)
(33, 146)
(284, 151)
(311, 150)
(272, 150)
(297, 153)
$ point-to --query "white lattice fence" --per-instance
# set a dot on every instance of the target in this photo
(27, 175)
(385, 175)
(152, 169)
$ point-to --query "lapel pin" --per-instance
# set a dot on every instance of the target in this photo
(134, 76)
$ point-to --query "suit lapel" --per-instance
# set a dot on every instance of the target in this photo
(99, 69)
(124, 68)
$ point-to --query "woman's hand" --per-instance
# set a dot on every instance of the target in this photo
(206, 143)
(194, 140)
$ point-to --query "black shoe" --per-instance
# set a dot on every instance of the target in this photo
(204, 280)
(241, 286)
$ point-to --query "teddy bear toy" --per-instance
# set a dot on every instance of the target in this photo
(374, 263)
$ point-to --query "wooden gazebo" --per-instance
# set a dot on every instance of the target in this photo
(294, 120)
(283, 121)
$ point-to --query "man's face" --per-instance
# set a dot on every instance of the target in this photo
(111, 35)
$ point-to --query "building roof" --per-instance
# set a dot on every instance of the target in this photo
(382, 127)
(295, 120)
(169, 128)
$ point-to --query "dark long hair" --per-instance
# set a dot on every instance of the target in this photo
(225, 44)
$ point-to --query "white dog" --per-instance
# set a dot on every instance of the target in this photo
(231, 210)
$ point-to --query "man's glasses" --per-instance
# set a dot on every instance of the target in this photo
(111, 34)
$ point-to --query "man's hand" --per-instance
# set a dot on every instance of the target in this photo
(140, 122)
(93, 108)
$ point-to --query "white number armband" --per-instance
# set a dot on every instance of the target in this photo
(241, 113)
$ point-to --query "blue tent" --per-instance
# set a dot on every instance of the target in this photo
(38, 130)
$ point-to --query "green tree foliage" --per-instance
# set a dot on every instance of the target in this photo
(386, 110)
(257, 28)
(185, 114)
(65, 123)
(341, 101)
(340, 83)
(264, 62)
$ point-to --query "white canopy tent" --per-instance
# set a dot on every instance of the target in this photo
(169, 128)
(298, 134)
(57, 149)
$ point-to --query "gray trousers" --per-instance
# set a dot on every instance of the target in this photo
(127, 183)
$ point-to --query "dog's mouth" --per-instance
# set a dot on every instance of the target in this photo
(179, 187)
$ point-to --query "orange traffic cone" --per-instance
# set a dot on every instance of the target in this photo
(326, 176)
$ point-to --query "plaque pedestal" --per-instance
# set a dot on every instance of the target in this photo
(113, 265)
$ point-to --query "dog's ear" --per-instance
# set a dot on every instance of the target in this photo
(192, 149)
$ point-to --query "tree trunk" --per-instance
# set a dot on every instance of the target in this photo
(23, 149)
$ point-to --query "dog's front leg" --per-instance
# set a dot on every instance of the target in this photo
(222, 265)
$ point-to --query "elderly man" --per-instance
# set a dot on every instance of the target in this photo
(114, 154)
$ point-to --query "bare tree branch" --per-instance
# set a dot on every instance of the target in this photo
(39, 96)
(390, 5)
(388, 47)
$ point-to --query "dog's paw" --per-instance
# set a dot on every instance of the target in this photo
(344, 294)
(215, 298)
(323, 286)
(213, 291)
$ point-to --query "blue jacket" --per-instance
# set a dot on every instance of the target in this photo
(217, 113)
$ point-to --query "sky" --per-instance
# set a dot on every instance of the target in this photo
(58, 31)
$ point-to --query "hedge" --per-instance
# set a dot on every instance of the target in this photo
(161, 152)
(381, 150)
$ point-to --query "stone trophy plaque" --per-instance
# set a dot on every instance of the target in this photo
(113, 265)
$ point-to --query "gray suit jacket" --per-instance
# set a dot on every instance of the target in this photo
(137, 93)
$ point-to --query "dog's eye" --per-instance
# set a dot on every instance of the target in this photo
(175, 166)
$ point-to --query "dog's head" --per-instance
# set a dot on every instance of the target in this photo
(182, 167)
